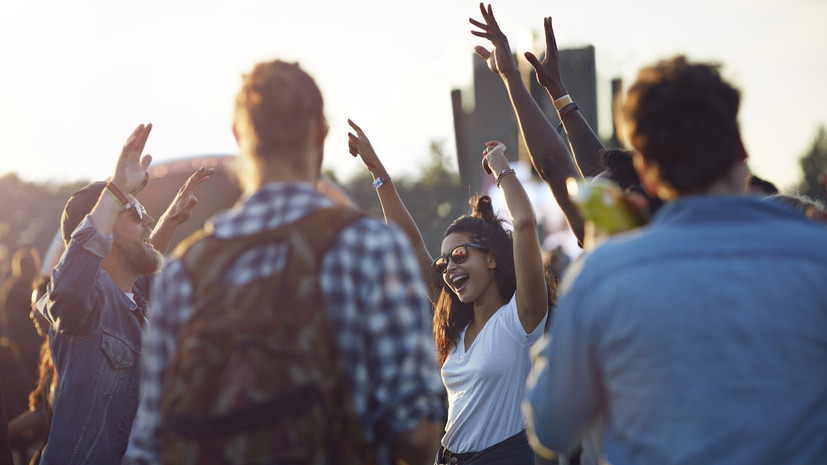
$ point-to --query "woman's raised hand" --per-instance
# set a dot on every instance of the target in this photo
(359, 144)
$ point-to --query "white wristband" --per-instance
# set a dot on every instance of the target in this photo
(562, 101)
(377, 183)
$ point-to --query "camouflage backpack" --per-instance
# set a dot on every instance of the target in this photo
(256, 379)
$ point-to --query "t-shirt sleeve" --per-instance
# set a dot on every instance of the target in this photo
(515, 328)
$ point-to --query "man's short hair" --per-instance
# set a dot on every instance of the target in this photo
(78, 206)
(762, 185)
(682, 118)
(275, 107)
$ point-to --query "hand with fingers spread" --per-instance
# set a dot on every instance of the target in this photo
(548, 71)
(130, 171)
(359, 145)
(499, 60)
(180, 209)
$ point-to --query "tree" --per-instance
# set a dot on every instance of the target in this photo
(813, 165)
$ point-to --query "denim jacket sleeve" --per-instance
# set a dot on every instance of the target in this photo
(70, 303)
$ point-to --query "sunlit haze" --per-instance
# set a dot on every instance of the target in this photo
(79, 76)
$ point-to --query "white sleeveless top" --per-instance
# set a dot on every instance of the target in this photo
(485, 385)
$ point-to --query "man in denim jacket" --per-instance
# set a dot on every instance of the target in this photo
(699, 338)
(96, 306)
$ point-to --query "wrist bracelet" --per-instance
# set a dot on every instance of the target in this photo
(565, 111)
(122, 200)
(377, 183)
(503, 173)
(562, 102)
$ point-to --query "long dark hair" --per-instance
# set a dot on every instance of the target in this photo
(484, 227)
(47, 374)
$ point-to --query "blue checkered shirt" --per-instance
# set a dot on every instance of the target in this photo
(376, 300)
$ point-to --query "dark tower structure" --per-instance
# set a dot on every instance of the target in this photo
(492, 116)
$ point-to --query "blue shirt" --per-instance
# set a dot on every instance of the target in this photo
(377, 303)
(700, 339)
(95, 337)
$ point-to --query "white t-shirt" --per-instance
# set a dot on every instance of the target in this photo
(485, 385)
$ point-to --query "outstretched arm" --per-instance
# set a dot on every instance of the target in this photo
(179, 210)
(393, 207)
(585, 145)
(546, 148)
(532, 293)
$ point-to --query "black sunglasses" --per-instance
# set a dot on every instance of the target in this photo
(458, 255)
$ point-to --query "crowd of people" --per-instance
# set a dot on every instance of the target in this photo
(295, 330)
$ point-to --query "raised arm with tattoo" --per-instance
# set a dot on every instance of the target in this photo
(585, 145)
(546, 148)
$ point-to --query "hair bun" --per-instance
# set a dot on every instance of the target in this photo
(481, 207)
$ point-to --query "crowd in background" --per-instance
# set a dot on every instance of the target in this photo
(293, 329)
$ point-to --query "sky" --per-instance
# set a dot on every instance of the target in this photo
(78, 76)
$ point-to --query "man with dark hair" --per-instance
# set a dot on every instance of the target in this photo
(96, 306)
(756, 185)
(700, 337)
(291, 330)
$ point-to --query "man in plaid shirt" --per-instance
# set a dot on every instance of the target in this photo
(371, 284)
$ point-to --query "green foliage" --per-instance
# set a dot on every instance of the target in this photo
(813, 165)
(434, 200)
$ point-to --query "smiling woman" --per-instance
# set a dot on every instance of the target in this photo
(490, 299)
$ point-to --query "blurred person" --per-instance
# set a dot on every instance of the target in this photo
(491, 301)
(756, 185)
(15, 305)
(16, 386)
(34, 424)
(676, 334)
(304, 321)
(813, 208)
(798, 202)
(95, 304)
(555, 262)
(5, 447)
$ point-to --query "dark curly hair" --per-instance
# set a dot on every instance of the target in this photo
(484, 227)
(683, 119)
(619, 168)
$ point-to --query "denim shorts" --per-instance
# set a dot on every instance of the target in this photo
(512, 451)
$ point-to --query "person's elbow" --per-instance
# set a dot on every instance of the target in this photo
(418, 446)
(553, 422)
(547, 437)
